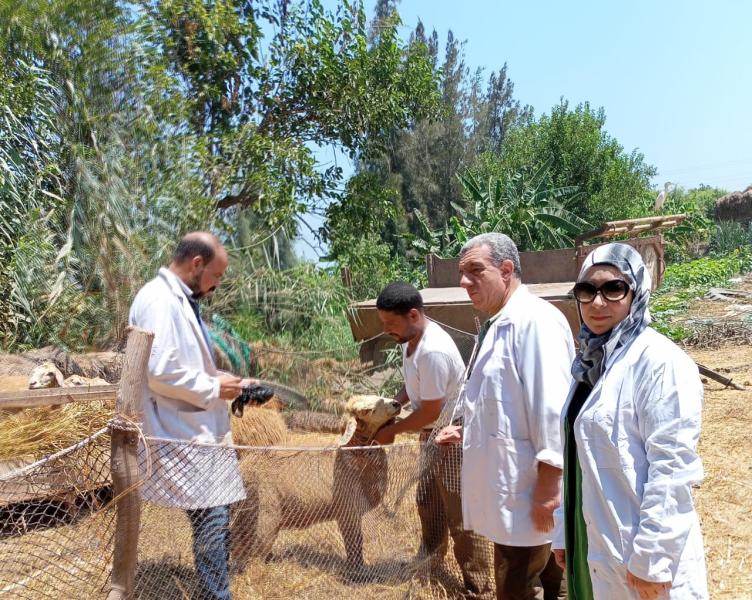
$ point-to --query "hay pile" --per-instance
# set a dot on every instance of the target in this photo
(38, 432)
(736, 206)
(724, 499)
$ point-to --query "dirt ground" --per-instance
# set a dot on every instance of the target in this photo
(724, 500)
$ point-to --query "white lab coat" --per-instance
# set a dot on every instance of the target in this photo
(181, 402)
(513, 401)
(636, 443)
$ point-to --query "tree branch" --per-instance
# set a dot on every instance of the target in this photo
(244, 199)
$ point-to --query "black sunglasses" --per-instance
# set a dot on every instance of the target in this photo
(613, 291)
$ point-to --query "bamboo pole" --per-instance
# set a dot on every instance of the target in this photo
(124, 463)
(635, 226)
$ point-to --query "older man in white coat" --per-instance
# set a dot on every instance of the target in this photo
(512, 455)
(186, 400)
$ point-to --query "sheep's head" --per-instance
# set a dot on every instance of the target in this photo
(367, 415)
(46, 375)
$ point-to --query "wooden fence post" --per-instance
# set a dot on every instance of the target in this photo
(124, 463)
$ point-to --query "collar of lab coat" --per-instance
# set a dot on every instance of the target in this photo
(515, 303)
(622, 351)
(177, 287)
(507, 314)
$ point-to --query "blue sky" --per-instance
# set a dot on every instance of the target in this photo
(674, 76)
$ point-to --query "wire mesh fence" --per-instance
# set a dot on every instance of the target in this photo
(308, 522)
(56, 524)
(315, 523)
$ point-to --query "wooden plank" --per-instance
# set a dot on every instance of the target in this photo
(458, 295)
(55, 396)
(450, 306)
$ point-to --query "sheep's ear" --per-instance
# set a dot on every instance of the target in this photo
(349, 431)
(362, 412)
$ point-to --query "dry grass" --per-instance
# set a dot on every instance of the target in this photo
(39, 432)
(724, 501)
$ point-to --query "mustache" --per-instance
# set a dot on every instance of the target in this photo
(199, 295)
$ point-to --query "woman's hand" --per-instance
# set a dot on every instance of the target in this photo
(560, 556)
(648, 590)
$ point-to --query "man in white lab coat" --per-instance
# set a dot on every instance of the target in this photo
(186, 400)
(512, 454)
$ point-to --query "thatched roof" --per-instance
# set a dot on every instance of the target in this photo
(736, 206)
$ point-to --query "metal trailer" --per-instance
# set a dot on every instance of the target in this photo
(550, 274)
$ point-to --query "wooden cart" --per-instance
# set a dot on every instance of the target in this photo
(550, 274)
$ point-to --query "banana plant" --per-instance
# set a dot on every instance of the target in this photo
(522, 205)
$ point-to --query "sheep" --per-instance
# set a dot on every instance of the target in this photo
(47, 375)
(291, 495)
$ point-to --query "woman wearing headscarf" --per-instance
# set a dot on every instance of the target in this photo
(627, 527)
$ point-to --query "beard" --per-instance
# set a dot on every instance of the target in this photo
(399, 339)
(195, 286)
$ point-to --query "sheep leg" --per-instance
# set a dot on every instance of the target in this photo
(242, 534)
(267, 527)
(350, 527)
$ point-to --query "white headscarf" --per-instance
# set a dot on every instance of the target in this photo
(596, 350)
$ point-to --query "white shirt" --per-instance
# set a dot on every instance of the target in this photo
(434, 370)
(514, 398)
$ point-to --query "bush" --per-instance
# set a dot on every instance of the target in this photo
(729, 236)
(691, 279)
(707, 271)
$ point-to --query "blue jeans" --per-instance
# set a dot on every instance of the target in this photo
(211, 528)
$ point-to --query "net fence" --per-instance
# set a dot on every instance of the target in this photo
(56, 524)
(305, 521)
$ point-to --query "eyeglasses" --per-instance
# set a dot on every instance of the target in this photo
(613, 291)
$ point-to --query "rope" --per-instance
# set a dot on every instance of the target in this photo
(462, 331)
(277, 448)
(123, 423)
(268, 350)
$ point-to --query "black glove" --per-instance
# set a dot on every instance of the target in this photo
(251, 394)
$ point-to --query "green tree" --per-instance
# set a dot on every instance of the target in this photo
(419, 164)
(693, 237)
(154, 117)
(614, 184)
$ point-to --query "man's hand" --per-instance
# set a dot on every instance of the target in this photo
(248, 381)
(229, 386)
(451, 434)
(560, 556)
(648, 590)
(546, 497)
(385, 436)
